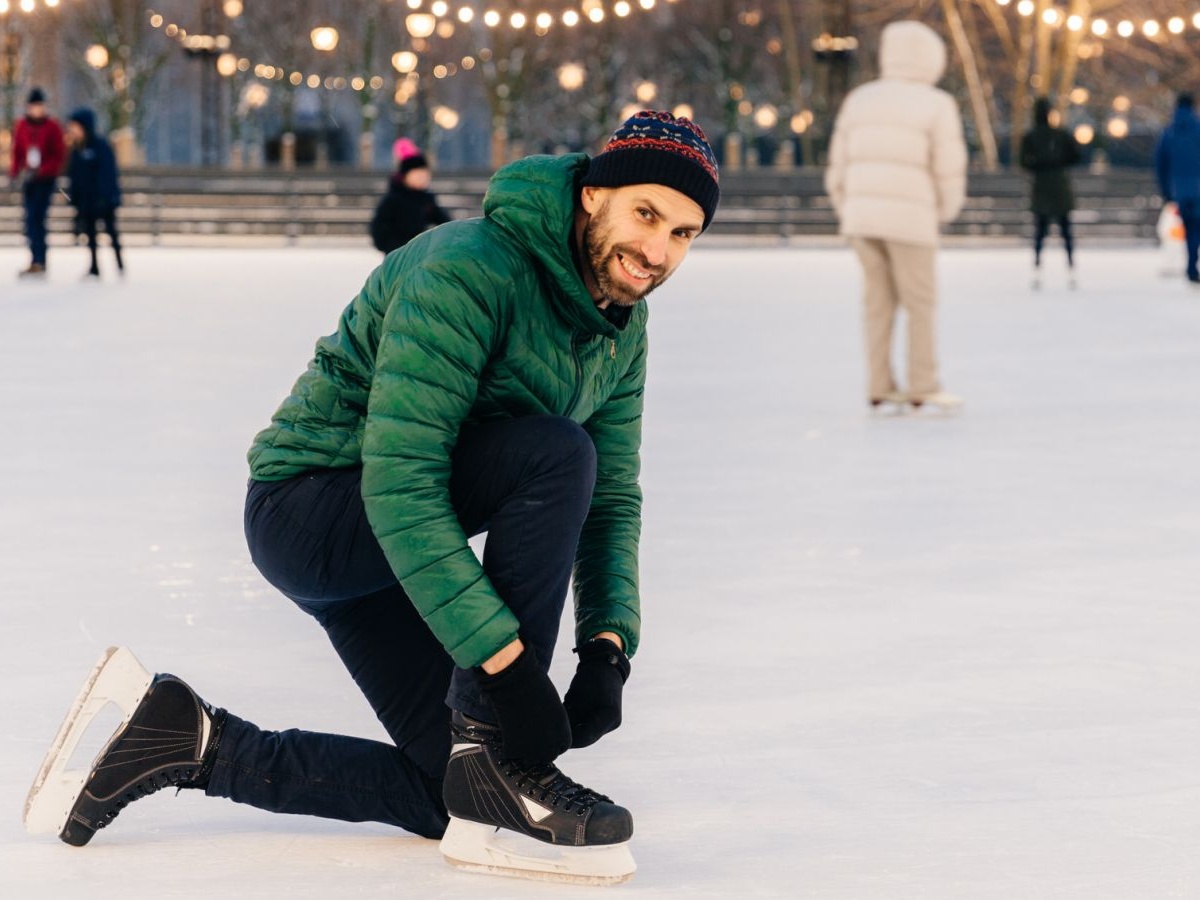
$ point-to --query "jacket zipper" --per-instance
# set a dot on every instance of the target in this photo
(576, 339)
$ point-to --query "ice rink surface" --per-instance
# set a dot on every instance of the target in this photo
(883, 657)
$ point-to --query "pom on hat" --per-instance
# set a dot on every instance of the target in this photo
(654, 147)
(403, 149)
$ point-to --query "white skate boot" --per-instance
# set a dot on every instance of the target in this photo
(937, 403)
(528, 821)
(892, 403)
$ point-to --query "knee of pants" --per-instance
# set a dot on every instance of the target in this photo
(562, 443)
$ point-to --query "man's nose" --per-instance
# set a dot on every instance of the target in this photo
(654, 247)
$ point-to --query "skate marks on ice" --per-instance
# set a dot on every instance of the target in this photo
(476, 847)
(117, 679)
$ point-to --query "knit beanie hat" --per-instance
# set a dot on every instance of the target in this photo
(654, 147)
(37, 95)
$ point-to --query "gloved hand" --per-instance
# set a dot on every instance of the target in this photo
(533, 723)
(593, 700)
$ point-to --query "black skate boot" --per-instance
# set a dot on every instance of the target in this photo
(486, 794)
(171, 741)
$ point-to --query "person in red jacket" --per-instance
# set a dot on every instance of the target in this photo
(38, 154)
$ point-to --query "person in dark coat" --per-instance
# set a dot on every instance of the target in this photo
(37, 159)
(1047, 152)
(408, 208)
(95, 189)
(1177, 160)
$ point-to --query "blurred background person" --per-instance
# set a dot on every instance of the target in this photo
(408, 207)
(95, 189)
(1177, 160)
(37, 159)
(897, 169)
(1047, 151)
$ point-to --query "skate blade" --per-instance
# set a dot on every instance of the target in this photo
(936, 410)
(117, 678)
(475, 847)
(887, 409)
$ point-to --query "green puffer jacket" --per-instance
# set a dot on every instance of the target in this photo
(477, 320)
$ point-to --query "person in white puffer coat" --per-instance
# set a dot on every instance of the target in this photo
(897, 170)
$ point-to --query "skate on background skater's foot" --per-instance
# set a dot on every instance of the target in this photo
(901, 403)
(168, 737)
(936, 402)
(890, 402)
(531, 821)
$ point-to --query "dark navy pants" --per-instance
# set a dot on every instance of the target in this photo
(526, 482)
(108, 218)
(1041, 227)
(35, 197)
(1189, 212)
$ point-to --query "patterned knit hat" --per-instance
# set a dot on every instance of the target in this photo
(657, 148)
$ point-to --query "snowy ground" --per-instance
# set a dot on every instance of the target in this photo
(883, 658)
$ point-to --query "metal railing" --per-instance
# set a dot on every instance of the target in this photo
(197, 206)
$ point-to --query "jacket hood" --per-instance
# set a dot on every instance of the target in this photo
(910, 51)
(533, 200)
(1041, 111)
(86, 119)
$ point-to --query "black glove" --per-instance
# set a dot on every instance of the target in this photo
(533, 723)
(593, 700)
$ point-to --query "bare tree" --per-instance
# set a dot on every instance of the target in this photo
(122, 72)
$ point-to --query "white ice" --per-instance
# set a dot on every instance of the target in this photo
(883, 658)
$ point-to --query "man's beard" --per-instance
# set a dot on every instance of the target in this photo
(599, 257)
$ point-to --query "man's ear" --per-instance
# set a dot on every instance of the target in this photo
(589, 199)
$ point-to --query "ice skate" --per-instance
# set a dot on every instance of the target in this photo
(35, 271)
(937, 403)
(167, 737)
(528, 821)
(890, 404)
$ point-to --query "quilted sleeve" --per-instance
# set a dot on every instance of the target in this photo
(435, 341)
(949, 159)
(606, 562)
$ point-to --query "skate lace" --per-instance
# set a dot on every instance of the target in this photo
(547, 784)
(178, 777)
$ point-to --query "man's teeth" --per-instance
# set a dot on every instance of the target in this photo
(632, 269)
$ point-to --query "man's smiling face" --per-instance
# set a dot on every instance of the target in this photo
(634, 238)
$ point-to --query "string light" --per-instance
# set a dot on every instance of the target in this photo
(1126, 28)
(405, 62)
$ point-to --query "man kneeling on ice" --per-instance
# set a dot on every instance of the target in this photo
(488, 378)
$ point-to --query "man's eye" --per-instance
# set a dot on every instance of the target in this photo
(645, 213)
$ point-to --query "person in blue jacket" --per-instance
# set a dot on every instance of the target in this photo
(1178, 162)
(95, 189)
